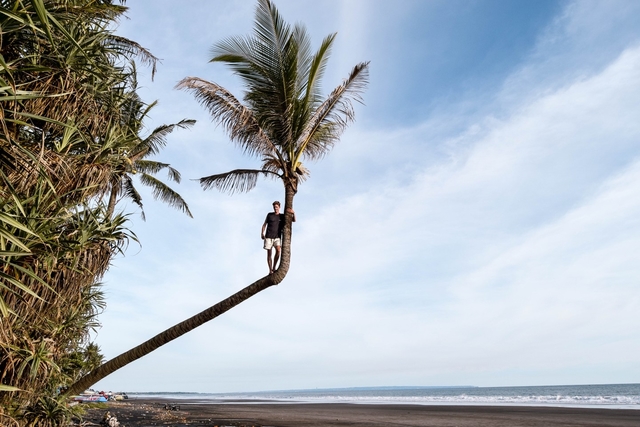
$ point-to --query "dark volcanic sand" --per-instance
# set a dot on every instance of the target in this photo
(146, 413)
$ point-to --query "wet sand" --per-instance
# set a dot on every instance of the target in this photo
(146, 413)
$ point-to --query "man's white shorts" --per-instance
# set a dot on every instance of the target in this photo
(269, 243)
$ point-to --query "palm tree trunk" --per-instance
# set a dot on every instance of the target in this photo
(285, 255)
(199, 319)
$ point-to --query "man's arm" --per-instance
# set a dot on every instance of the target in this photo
(291, 211)
(264, 226)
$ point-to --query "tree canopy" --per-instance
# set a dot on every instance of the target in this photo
(284, 118)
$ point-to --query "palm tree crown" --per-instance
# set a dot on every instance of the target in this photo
(128, 153)
(284, 118)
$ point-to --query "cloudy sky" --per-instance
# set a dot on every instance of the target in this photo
(479, 224)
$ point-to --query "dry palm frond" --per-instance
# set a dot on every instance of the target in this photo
(237, 119)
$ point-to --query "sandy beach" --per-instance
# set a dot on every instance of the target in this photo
(144, 413)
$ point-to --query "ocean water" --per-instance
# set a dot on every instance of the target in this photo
(617, 396)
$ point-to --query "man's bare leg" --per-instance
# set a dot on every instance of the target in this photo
(269, 260)
(276, 258)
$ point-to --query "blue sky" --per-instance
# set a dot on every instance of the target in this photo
(479, 223)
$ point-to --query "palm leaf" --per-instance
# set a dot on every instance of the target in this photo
(174, 175)
(157, 139)
(128, 48)
(334, 114)
(164, 193)
(258, 59)
(152, 167)
(238, 121)
(268, 64)
(316, 69)
(235, 181)
(130, 191)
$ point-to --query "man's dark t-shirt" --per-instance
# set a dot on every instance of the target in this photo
(275, 224)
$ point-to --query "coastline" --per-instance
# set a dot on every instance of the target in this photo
(192, 412)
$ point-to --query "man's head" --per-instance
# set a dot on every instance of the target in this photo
(276, 206)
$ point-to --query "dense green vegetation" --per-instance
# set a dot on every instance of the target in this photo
(70, 141)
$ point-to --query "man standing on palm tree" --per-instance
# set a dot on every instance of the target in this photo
(284, 119)
(272, 234)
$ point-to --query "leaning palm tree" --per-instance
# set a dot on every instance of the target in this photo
(283, 120)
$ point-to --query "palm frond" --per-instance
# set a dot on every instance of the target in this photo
(149, 166)
(317, 67)
(300, 37)
(235, 181)
(257, 59)
(130, 191)
(164, 193)
(238, 121)
(174, 175)
(269, 63)
(332, 116)
(128, 48)
(158, 138)
(152, 167)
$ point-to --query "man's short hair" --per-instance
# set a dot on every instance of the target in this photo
(276, 203)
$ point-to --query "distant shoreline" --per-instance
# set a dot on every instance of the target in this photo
(608, 396)
(257, 401)
(138, 412)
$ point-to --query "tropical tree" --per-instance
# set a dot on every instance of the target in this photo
(128, 154)
(70, 123)
(56, 62)
(283, 120)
